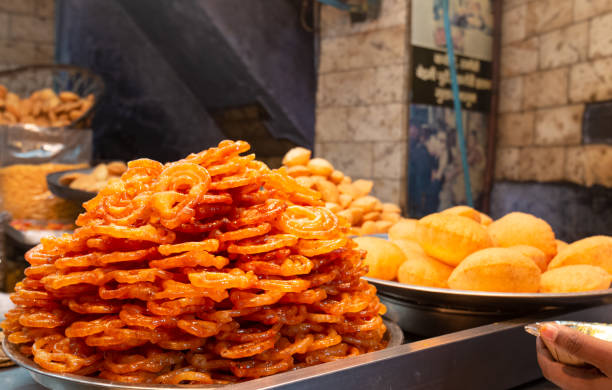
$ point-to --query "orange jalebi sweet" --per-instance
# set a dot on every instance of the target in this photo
(208, 270)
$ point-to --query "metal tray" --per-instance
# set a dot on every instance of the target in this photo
(491, 357)
(66, 192)
(56, 381)
(482, 301)
(30, 238)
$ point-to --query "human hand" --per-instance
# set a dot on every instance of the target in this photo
(597, 353)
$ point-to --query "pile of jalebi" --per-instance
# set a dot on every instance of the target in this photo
(211, 269)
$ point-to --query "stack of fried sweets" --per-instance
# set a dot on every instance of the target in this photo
(345, 197)
(211, 269)
(463, 249)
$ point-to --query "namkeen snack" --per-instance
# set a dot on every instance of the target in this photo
(348, 198)
(451, 238)
(383, 257)
(43, 107)
(574, 278)
(524, 229)
(596, 250)
(24, 193)
(211, 269)
(496, 269)
(101, 175)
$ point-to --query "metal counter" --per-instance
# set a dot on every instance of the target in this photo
(496, 356)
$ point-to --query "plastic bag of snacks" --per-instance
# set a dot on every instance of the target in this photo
(43, 112)
(28, 154)
(49, 96)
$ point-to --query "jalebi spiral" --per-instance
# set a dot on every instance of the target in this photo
(212, 269)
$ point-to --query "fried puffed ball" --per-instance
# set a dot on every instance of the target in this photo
(561, 245)
(320, 166)
(409, 247)
(367, 203)
(496, 269)
(422, 270)
(404, 229)
(524, 229)
(538, 257)
(363, 187)
(574, 278)
(596, 250)
(450, 238)
(383, 257)
(391, 208)
(469, 212)
(296, 156)
(485, 220)
(464, 211)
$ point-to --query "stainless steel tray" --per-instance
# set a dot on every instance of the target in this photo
(491, 357)
(482, 301)
(31, 237)
(57, 381)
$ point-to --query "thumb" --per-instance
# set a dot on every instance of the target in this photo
(590, 349)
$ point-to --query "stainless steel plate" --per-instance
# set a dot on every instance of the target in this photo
(482, 301)
(57, 381)
(31, 237)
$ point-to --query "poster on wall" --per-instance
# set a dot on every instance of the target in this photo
(435, 172)
(471, 25)
(431, 80)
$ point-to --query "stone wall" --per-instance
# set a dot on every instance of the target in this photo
(27, 32)
(362, 97)
(556, 59)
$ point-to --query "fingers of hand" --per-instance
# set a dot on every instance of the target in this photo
(590, 349)
(569, 377)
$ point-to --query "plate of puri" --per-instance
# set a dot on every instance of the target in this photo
(462, 258)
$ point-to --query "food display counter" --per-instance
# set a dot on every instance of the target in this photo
(156, 256)
(500, 355)
(200, 296)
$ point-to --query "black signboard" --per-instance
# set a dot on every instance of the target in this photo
(431, 80)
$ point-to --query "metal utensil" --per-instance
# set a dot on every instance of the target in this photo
(56, 381)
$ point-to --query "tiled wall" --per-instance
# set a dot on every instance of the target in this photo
(556, 58)
(362, 97)
(27, 32)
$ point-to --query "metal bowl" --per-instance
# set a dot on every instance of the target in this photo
(66, 192)
(431, 321)
(56, 381)
(429, 311)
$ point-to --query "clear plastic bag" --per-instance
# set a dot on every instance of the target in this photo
(28, 153)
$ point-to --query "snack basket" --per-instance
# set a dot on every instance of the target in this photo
(27, 79)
